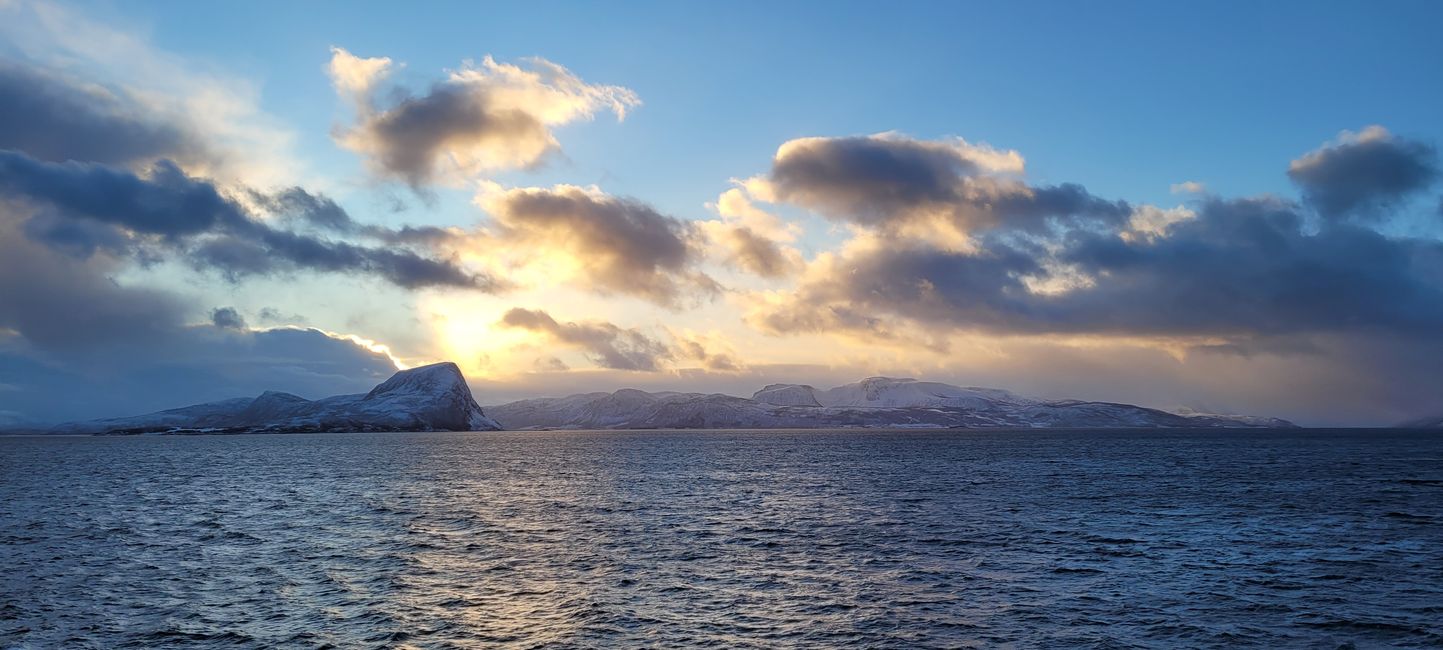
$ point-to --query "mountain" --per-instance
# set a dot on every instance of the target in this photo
(428, 398)
(874, 402)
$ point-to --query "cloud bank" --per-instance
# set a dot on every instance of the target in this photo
(944, 245)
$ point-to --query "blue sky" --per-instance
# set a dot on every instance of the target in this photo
(1018, 225)
(1123, 97)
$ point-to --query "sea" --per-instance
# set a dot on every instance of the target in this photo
(725, 539)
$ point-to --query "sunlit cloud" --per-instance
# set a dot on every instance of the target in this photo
(1188, 187)
(479, 118)
(612, 245)
(750, 238)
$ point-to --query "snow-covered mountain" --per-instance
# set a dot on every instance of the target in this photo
(428, 398)
(436, 398)
(874, 402)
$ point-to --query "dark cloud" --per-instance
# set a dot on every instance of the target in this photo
(192, 364)
(76, 343)
(168, 204)
(54, 118)
(267, 251)
(83, 207)
(276, 317)
(321, 213)
(1241, 268)
(1250, 267)
(1364, 174)
(410, 139)
(918, 283)
(314, 210)
(80, 239)
(890, 181)
(94, 182)
(869, 179)
(67, 305)
(227, 318)
(624, 245)
(1246, 273)
(605, 344)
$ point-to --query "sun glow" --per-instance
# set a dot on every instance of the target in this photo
(467, 333)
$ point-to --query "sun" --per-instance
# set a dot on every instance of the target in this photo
(467, 332)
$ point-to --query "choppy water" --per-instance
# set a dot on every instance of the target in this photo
(724, 539)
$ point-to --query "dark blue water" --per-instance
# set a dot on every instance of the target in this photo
(724, 539)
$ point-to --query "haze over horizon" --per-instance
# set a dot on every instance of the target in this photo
(209, 201)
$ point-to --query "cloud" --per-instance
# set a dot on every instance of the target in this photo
(1221, 273)
(355, 77)
(613, 347)
(1152, 221)
(705, 350)
(736, 206)
(757, 254)
(155, 165)
(1362, 174)
(192, 364)
(605, 344)
(186, 101)
(64, 304)
(619, 245)
(55, 118)
(267, 251)
(87, 206)
(893, 183)
(750, 238)
(1239, 268)
(318, 212)
(227, 318)
(76, 342)
(167, 203)
(479, 118)
(277, 317)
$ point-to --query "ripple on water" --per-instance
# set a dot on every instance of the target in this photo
(725, 539)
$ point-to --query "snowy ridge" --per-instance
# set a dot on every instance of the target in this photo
(428, 398)
(872, 402)
(888, 392)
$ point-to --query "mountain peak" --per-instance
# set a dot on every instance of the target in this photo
(434, 377)
(280, 396)
(787, 395)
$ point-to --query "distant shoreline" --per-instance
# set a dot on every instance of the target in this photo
(703, 430)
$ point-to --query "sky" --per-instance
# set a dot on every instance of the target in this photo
(1227, 207)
